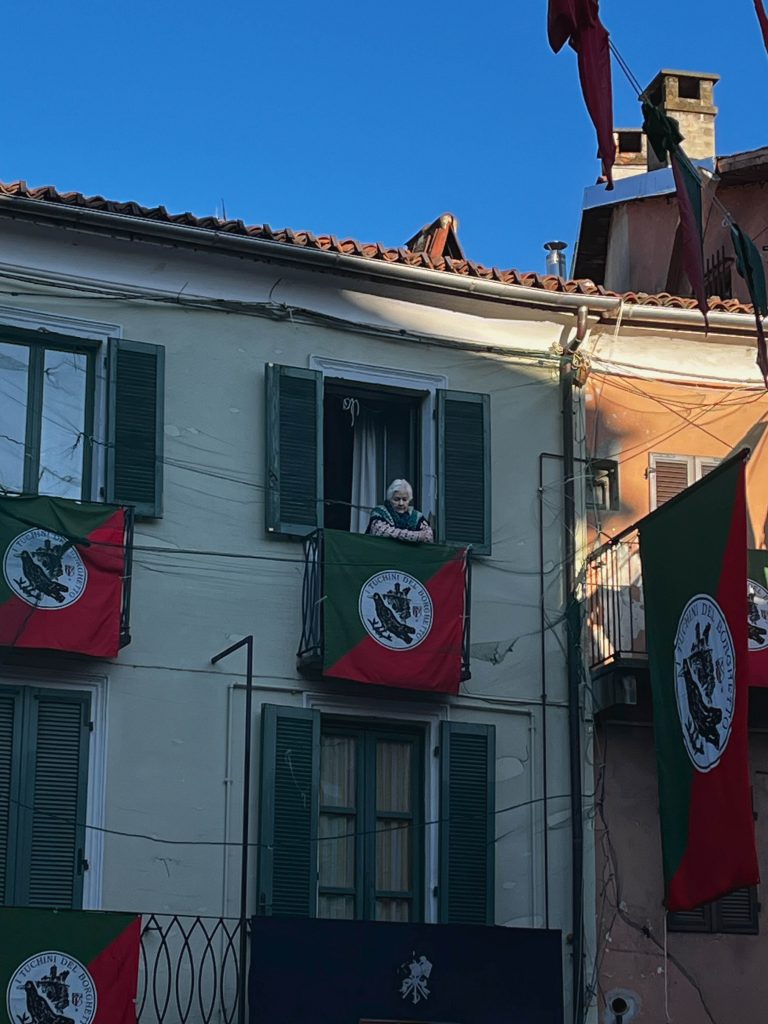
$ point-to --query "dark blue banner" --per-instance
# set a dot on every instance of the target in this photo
(309, 971)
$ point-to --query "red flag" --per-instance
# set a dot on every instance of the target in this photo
(693, 552)
(579, 22)
(762, 17)
(62, 565)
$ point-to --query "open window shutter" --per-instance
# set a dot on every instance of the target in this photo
(737, 912)
(294, 495)
(289, 810)
(56, 792)
(10, 724)
(467, 823)
(669, 477)
(135, 426)
(464, 469)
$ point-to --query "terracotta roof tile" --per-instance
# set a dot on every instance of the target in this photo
(446, 263)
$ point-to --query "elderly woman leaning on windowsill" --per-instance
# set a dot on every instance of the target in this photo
(397, 518)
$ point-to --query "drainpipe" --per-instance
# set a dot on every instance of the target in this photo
(574, 664)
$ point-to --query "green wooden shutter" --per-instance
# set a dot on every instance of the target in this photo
(464, 469)
(10, 744)
(294, 455)
(737, 912)
(697, 920)
(135, 406)
(289, 809)
(57, 759)
(467, 823)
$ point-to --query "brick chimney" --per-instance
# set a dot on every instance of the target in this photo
(688, 97)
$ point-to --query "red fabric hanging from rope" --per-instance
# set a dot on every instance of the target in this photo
(762, 17)
(578, 21)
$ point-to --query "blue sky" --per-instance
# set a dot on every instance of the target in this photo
(346, 117)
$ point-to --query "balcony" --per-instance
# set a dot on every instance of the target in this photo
(310, 654)
(614, 608)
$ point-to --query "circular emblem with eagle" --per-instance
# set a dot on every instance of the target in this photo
(51, 988)
(396, 610)
(705, 677)
(757, 616)
(44, 569)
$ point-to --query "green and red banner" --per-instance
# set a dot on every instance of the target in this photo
(78, 966)
(694, 558)
(62, 565)
(757, 617)
(394, 612)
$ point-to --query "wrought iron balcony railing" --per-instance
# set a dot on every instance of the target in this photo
(189, 970)
(614, 605)
(125, 609)
(310, 653)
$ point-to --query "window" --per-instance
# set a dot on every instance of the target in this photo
(734, 914)
(69, 430)
(46, 415)
(393, 429)
(44, 739)
(671, 474)
(371, 823)
(603, 485)
(372, 435)
(343, 812)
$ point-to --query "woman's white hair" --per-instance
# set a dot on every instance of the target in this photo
(399, 485)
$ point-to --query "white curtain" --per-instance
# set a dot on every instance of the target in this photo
(366, 452)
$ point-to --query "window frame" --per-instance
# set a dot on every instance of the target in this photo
(36, 326)
(610, 467)
(367, 733)
(406, 381)
(37, 348)
(695, 464)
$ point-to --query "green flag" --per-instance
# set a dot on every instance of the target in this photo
(394, 612)
(79, 966)
(750, 265)
(694, 558)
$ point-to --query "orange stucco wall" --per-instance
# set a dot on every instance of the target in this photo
(629, 418)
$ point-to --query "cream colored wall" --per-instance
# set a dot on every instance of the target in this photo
(206, 574)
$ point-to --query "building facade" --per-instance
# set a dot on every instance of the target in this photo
(663, 408)
(241, 389)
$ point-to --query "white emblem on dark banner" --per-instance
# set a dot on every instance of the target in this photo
(396, 610)
(705, 675)
(50, 988)
(44, 569)
(415, 976)
(757, 615)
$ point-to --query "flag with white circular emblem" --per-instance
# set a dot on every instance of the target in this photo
(62, 566)
(694, 558)
(394, 612)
